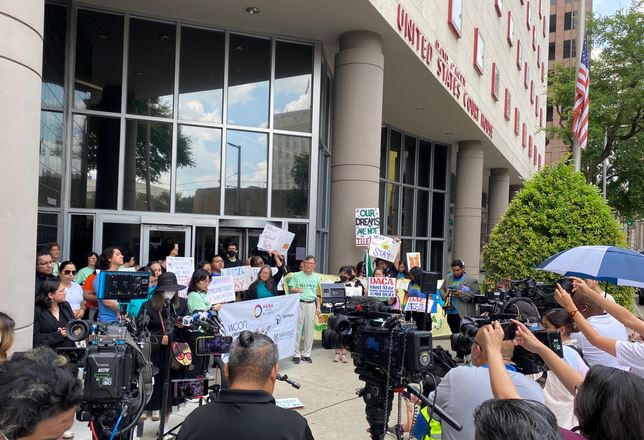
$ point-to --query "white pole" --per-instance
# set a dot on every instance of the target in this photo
(581, 31)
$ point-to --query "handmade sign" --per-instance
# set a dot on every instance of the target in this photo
(367, 224)
(182, 267)
(221, 290)
(413, 260)
(416, 304)
(384, 247)
(243, 276)
(382, 287)
(275, 239)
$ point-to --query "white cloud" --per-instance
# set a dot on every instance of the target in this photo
(301, 103)
(242, 93)
(257, 177)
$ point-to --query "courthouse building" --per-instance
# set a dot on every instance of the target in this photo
(199, 121)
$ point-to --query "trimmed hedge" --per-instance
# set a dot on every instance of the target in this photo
(555, 210)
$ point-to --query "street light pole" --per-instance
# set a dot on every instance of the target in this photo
(581, 31)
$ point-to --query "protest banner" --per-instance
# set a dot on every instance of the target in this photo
(275, 317)
(382, 287)
(416, 304)
(221, 290)
(413, 260)
(182, 267)
(384, 247)
(243, 276)
(367, 224)
(275, 239)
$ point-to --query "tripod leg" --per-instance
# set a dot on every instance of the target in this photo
(376, 397)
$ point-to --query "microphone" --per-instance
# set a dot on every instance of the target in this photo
(284, 378)
(209, 317)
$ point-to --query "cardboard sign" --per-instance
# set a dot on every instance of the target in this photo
(275, 239)
(353, 291)
(221, 290)
(289, 403)
(382, 287)
(243, 276)
(413, 260)
(182, 267)
(384, 247)
(367, 224)
(416, 304)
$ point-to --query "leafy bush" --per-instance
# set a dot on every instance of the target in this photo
(555, 210)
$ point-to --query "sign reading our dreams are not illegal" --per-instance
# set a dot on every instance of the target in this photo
(367, 224)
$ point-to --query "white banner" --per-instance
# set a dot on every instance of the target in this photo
(275, 317)
(384, 247)
(367, 224)
(221, 290)
(243, 276)
(416, 304)
(275, 239)
(182, 267)
(382, 287)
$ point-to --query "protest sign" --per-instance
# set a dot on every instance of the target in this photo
(413, 260)
(243, 276)
(182, 267)
(353, 291)
(221, 290)
(289, 403)
(275, 317)
(367, 224)
(416, 304)
(384, 247)
(275, 239)
(382, 286)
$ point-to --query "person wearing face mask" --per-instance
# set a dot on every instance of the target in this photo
(231, 259)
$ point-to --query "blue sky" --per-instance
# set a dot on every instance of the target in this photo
(608, 7)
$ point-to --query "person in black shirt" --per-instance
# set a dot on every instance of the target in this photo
(247, 409)
(44, 268)
(231, 257)
(51, 316)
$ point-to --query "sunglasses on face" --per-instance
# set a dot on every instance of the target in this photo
(69, 272)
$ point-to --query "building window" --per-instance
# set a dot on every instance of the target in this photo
(531, 92)
(510, 29)
(549, 111)
(543, 71)
(293, 86)
(553, 2)
(534, 38)
(540, 8)
(538, 56)
(551, 51)
(526, 76)
(498, 5)
(541, 117)
(52, 89)
(530, 146)
(544, 22)
(495, 81)
(566, 49)
(539, 164)
(454, 16)
(524, 132)
(574, 19)
(516, 121)
(534, 155)
(291, 176)
(519, 55)
(536, 104)
(528, 16)
(479, 51)
(508, 104)
(573, 48)
(567, 21)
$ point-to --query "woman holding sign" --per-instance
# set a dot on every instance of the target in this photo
(266, 283)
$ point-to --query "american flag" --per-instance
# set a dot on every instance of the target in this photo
(582, 99)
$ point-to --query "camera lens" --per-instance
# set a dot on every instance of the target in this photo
(77, 330)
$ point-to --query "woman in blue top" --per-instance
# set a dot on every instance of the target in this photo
(414, 290)
(266, 284)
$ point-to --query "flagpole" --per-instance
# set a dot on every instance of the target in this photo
(581, 32)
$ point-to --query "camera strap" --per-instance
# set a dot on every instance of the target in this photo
(162, 322)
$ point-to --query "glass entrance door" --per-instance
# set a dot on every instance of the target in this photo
(159, 240)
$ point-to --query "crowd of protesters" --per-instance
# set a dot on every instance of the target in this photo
(595, 391)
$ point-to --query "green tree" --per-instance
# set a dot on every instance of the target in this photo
(616, 108)
(554, 211)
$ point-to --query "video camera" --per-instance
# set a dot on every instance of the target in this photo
(115, 362)
(540, 293)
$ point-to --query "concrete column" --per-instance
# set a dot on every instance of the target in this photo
(357, 121)
(21, 44)
(467, 209)
(498, 196)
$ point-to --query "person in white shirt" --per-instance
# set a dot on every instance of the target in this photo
(594, 284)
(629, 355)
(556, 396)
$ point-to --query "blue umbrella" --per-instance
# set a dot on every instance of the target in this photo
(610, 264)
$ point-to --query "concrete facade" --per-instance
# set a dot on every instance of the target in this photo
(498, 196)
(21, 34)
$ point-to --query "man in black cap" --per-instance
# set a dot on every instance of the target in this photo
(247, 409)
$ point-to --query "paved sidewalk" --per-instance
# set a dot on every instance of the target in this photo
(331, 406)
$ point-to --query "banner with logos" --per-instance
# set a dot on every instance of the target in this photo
(367, 224)
(275, 317)
(275, 239)
(382, 286)
(182, 267)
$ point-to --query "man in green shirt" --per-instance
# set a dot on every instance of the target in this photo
(306, 283)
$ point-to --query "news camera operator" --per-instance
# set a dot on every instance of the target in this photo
(629, 354)
(40, 394)
(465, 388)
(608, 401)
(247, 410)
